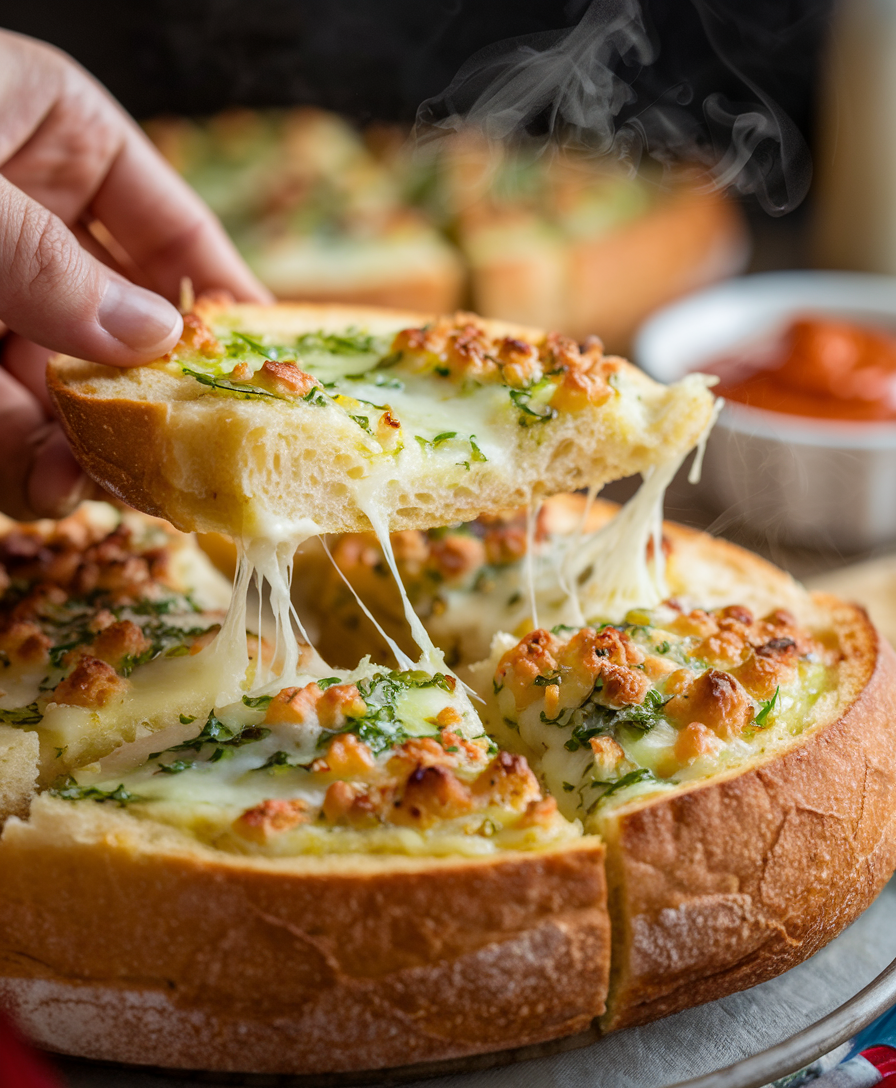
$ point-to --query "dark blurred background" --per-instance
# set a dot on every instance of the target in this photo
(379, 61)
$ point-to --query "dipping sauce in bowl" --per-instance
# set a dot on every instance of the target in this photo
(804, 451)
(819, 367)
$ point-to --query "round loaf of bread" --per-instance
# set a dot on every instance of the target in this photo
(126, 939)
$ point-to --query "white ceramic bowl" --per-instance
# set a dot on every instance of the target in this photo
(814, 482)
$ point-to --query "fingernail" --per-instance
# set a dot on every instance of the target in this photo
(143, 321)
(56, 483)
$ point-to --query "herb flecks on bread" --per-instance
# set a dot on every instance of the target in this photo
(542, 377)
(373, 761)
(93, 606)
(667, 698)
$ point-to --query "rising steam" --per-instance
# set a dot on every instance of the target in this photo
(577, 87)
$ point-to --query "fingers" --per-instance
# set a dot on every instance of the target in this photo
(66, 155)
(27, 363)
(83, 154)
(39, 477)
(166, 229)
(52, 291)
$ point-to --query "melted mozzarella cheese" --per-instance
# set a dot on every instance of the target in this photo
(378, 518)
(265, 560)
(612, 567)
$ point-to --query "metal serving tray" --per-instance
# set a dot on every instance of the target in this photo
(742, 1041)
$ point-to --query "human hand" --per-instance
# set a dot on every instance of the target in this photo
(74, 168)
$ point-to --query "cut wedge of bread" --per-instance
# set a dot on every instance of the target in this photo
(353, 839)
(745, 798)
(743, 869)
(323, 414)
(101, 618)
(766, 863)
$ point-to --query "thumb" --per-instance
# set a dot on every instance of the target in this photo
(53, 292)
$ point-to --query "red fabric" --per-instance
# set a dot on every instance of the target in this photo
(20, 1067)
(884, 1059)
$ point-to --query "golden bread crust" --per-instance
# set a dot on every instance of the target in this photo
(719, 887)
(252, 965)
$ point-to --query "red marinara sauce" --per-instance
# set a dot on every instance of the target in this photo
(819, 367)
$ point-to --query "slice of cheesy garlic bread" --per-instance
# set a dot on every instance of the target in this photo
(102, 615)
(334, 837)
(338, 418)
(739, 769)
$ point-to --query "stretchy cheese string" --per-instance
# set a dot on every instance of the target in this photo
(404, 662)
(620, 577)
(532, 513)
(610, 565)
(267, 560)
(697, 467)
(431, 655)
(563, 561)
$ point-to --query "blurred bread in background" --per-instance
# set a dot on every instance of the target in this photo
(314, 213)
(529, 234)
(574, 242)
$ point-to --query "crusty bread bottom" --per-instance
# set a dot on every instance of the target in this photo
(73, 1019)
(120, 948)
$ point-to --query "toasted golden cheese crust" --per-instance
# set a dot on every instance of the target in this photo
(382, 762)
(664, 698)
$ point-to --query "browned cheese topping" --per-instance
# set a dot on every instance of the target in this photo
(461, 349)
(86, 603)
(669, 692)
(416, 783)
